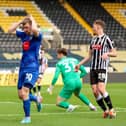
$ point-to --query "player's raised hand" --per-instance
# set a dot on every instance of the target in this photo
(50, 89)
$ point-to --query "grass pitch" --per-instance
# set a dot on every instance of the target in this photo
(11, 111)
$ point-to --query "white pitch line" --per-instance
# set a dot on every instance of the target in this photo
(119, 110)
(58, 113)
(9, 102)
(84, 106)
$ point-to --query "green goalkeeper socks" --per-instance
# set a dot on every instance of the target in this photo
(84, 99)
(64, 104)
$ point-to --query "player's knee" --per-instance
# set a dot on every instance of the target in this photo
(39, 81)
(20, 95)
(58, 101)
(95, 92)
(23, 95)
(101, 89)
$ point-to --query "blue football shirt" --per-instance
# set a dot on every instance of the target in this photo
(30, 49)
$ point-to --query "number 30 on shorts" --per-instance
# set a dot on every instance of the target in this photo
(28, 76)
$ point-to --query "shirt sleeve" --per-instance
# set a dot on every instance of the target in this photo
(57, 73)
(83, 71)
(19, 33)
(110, 43)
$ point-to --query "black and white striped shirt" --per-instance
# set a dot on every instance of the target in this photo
(100, 45)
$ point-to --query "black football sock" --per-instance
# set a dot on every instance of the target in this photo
(101, 103)
(107, 100)
(34, 89)
(39, 88)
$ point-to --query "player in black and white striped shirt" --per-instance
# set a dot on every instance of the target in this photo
(101, 48)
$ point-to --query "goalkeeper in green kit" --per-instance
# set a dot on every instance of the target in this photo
(71, 80)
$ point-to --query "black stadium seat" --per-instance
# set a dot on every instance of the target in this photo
(92, 10)
(71, 30)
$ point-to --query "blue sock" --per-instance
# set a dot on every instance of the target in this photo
(32, 98)
(26, 106)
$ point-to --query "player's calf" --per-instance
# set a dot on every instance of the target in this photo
(61, 102)
(23, 93)
(86, 101)
(39, 103)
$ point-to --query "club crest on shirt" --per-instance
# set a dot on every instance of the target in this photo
(26, 45)
(96, 47)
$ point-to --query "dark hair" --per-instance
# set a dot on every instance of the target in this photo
(27, 20)
(62, 51)
(100, 22)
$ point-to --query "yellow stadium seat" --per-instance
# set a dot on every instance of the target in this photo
(6, 21)
(114, 10)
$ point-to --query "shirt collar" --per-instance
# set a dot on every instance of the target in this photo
(100, 36)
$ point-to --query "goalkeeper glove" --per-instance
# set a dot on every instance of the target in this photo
(50, 89)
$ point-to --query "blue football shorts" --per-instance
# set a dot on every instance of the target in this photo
(27, 78)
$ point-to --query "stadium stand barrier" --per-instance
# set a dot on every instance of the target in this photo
(11, 79)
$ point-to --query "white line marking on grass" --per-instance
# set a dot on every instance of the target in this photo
(84, 106)
(119, 110)
(55, 113)
(9, 102)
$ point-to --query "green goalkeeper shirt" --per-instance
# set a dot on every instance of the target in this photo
(66, 67)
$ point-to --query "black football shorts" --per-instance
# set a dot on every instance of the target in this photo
(97, 76)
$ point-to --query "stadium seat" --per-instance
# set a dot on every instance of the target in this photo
(92, 10)
(71, 30)
(13, 11)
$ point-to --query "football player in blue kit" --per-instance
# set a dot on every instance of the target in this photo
(29, 66)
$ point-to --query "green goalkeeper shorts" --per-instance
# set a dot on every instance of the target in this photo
(72, 86)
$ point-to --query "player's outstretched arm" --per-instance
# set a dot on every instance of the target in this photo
(55, 78)
(83, 71)
(85, 60)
